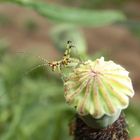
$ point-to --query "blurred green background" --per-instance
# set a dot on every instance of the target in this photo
(32, 105)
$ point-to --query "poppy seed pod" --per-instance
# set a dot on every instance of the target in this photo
(98, 90)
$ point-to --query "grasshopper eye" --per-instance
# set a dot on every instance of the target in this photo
(69, 42)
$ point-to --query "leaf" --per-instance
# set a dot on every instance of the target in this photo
(76, 16)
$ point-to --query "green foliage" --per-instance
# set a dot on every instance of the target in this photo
(133, 117)
(32, 105)
(74, 16)
(94, 3)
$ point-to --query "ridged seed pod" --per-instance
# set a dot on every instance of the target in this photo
(98, 88)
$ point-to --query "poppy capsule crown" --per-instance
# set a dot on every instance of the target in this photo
(98, 88)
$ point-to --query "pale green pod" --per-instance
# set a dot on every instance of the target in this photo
(98, 88)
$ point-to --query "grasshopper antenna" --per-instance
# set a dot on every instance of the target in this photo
(59, 64)
(35, 67)
(43, 59)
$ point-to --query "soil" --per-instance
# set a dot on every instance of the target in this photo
(115, 41)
